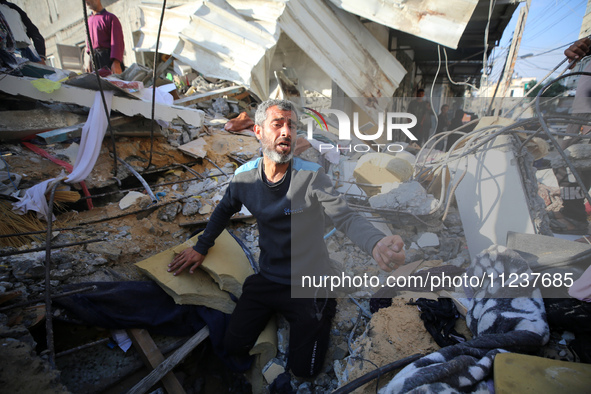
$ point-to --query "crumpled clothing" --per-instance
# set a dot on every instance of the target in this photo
(239, 123)
(93, 133)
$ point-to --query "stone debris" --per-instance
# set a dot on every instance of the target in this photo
(405, 197)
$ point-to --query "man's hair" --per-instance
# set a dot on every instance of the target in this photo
(284, 105)
(444, 106)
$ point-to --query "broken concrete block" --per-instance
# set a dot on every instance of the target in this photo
(168, 212)
(105, 249)
(205, 209)
(191, 207)
(227, 264)
(130, 199)
(381, 168)
(520, 373)
(28, 269)
(271, 371)
(198, 288)
(491, 197)
(428, 239)
(578, 154)
(195, 148)
(407, 197)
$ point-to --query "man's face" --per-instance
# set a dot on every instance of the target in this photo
(278, 135)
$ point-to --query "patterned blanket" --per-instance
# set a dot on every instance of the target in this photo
(501, 318)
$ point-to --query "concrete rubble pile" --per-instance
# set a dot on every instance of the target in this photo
(190, 183)
(463, 221)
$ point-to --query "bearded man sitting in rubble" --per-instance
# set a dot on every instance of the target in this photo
(289, 198)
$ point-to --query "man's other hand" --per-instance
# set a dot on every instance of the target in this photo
(187, 258)
(116, 67)
(389, 252)
(578, 50)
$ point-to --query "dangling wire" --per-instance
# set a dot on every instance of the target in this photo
(154, 84)
(99, 81)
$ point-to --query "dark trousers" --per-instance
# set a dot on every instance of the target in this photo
(309, 323)
(103, 58)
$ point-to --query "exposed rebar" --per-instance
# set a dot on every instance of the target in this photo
(53, 297)
(154, 83)
(41, 248)
(48, 312)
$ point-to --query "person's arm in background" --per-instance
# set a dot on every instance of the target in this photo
(578, 50)
(117, 46)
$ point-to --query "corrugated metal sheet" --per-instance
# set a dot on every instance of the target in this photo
(440, 21)
(344, 49)
(213, 40)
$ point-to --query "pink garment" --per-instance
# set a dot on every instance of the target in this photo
(106, 32)
(581, 289)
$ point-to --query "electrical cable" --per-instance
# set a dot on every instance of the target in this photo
(447, 69)
(433, 87)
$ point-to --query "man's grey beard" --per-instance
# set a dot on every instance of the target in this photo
(276, 156)
(269, 151)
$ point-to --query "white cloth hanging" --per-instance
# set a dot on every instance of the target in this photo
(93, 133)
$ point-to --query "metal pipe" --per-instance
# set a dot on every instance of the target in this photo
(216, 166)
(142, 180)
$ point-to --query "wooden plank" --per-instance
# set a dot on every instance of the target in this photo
(152, 357)
(150, 380)
(229, 91)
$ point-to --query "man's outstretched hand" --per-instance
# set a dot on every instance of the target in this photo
(389, 252)
(578, 50)
(187, 258)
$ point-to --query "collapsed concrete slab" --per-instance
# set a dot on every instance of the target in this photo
(214, 40)
(21, 86)
(344, 49)
(492, 198)
(442, 22)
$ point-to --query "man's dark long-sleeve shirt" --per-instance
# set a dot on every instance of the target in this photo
(290, 217)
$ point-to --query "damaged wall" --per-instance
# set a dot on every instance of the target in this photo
(62, 22)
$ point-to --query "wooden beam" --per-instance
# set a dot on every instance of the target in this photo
(196, 98)
(152, 357)
(150, 380)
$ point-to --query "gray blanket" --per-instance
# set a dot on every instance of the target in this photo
(501, 318)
